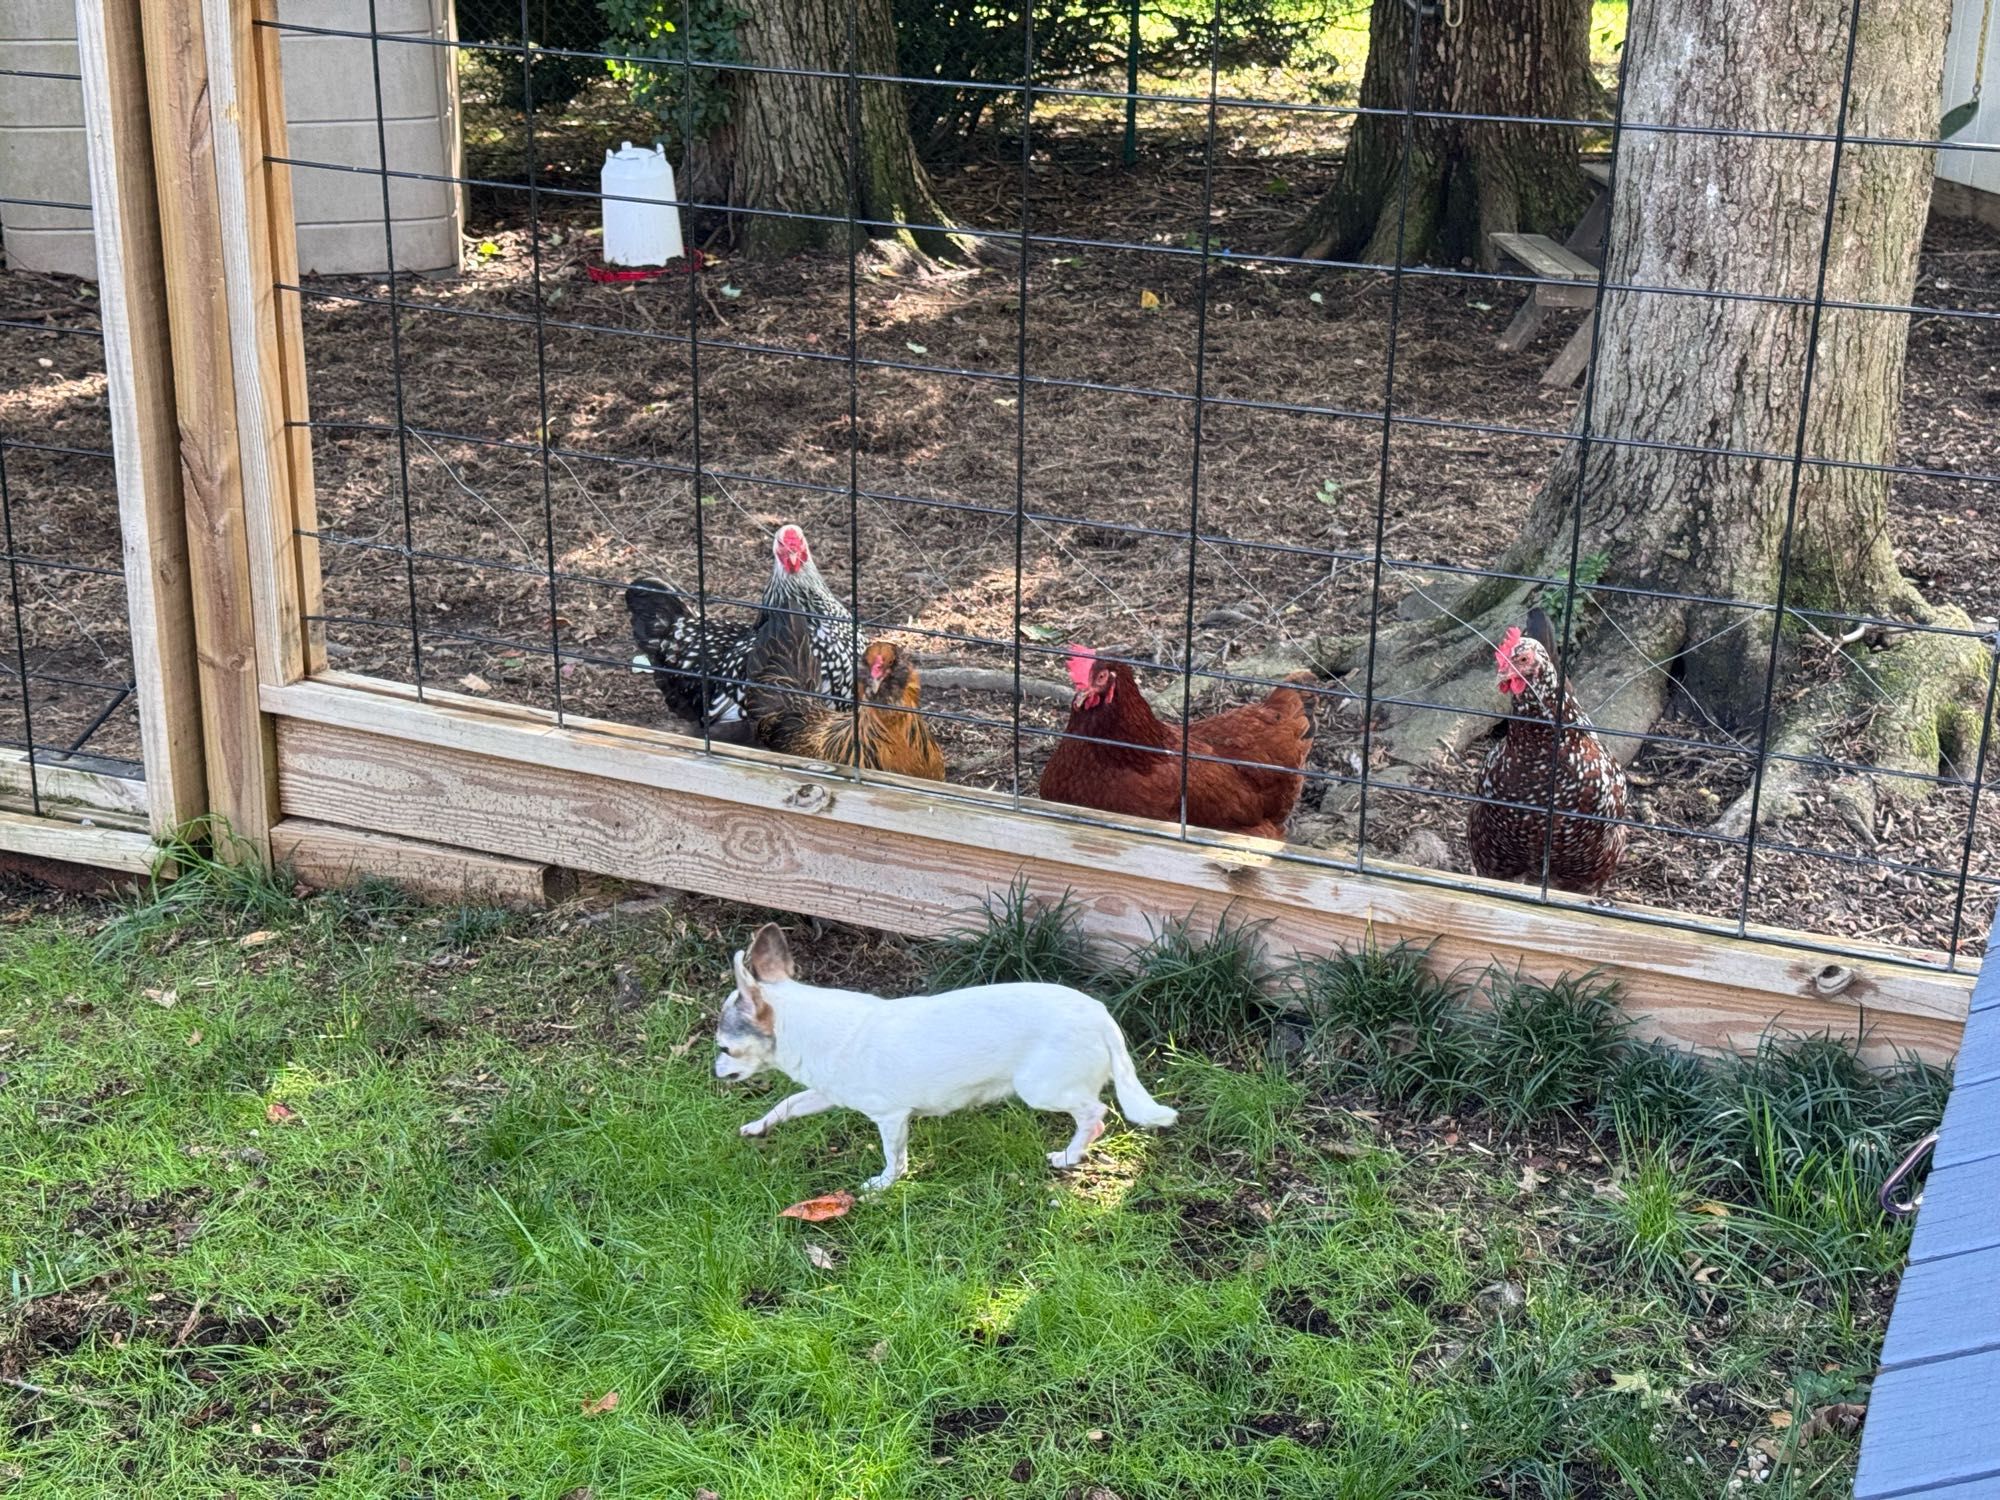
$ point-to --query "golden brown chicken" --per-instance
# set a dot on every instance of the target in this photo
(888, 734)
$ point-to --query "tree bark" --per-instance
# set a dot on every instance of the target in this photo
(1467, 180)
(1714, 213)
(785, 147)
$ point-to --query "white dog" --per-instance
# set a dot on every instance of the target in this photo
(1051, 1047)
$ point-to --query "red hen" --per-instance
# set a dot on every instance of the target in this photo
(1507, 841)
(1118, 757)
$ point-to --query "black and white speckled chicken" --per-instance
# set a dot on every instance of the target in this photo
(679, 648)
(1507, 842)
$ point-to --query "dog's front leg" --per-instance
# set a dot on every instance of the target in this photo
(895, 1150)
(791, 1107)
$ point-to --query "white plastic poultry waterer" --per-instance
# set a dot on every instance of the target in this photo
(642, 222)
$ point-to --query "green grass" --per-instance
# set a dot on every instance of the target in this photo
(376, 1207)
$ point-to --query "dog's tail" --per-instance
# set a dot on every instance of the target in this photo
(1134, 1103)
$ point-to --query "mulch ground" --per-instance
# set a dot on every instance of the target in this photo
(940, 458)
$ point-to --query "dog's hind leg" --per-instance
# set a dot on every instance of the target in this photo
(895, 1151)
(791, 1107)
(1089, 1126)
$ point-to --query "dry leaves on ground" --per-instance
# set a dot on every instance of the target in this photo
(814, 1210)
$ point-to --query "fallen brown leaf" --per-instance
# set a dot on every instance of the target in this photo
(194, 1038)
(472, 682)
(1844, 1417)
(1780, 1419)
(602, 1404)
(813, 1210)
(165, 999)
(256, 939)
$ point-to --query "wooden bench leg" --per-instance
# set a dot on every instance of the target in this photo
(1527, 323)
(1575, 355)
(1583, 239)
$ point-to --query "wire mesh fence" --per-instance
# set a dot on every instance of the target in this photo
(66, 678)
(1121, 410)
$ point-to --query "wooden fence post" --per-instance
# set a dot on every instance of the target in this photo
(239, 750)
(132, 293)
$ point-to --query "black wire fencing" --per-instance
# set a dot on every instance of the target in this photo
(1121, 413)
(66, 677)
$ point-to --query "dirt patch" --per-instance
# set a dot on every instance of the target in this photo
(1212, 1236)
(1297, 1311)
(167, 1220)
(64, 1322)
(962, 1424)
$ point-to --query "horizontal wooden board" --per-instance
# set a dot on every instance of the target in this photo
(78, 843)
(1971, 1125)
(1929, 1426)
(1938, 1307)
(329, 857)
(633, 803)
(1958, 1213)
(119, 797)
(1573, 280)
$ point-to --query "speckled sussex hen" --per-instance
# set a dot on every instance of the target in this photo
(1507, 842)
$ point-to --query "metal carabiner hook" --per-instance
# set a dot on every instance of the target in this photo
(1893, 1206)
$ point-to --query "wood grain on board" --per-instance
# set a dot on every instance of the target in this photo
(120, 849)
(329, 857)
(139, 392)
(629, 802)
(235, 735)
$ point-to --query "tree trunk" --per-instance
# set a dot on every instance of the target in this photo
(1716, 213)
(786, 144)
(1467, 180)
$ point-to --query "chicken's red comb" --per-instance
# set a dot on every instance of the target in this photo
(1079, 661)
(1504, 652)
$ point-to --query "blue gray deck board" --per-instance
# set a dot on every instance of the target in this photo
(1961, 1212)
(1978, 1054)
(1933, 1425)
(1971, 1124)
(1923, 1431)
(1930, 1320)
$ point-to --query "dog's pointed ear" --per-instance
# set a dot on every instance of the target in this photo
(770, 955)
(755, 1008)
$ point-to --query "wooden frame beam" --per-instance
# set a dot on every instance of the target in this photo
(115, 799)
(888, 853)
(132, 296)
(329, 857)
(120, 849)
(266, 333)
(238, 751)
